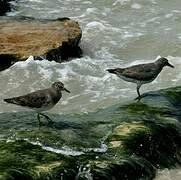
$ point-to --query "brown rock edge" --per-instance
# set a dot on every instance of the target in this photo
(52, 39)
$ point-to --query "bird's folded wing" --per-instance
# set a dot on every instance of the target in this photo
(32, 100)
(144, 72)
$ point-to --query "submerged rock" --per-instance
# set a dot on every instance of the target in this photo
(129, 141)
(52, 39)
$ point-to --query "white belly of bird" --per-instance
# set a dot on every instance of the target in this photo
(44, 108)
(134, 80)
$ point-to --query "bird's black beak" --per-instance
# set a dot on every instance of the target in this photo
(66, 90)
(168, 64)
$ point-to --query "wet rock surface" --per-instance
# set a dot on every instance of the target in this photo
(129, 141)
(55, 40)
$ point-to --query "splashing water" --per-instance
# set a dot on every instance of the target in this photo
(84, 173)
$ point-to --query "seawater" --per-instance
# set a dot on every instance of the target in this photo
(116, 33)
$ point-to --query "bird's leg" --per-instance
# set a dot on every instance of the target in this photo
(137, 88)
(49, 120)
(38, 117)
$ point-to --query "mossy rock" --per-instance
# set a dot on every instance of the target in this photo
(157, 140)
(140, 137)
(22, 160)
(126, 168)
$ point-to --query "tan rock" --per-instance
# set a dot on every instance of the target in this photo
(55, 40)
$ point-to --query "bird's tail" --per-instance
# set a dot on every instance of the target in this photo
(111, 71)
(10, 100)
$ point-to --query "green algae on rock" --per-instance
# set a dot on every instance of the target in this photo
(22, 160)
(125, 168)
(157, 142)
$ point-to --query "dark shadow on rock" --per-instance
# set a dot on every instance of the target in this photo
(6, 61)
(4, 6)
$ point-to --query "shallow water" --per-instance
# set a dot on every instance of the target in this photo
(116, 33)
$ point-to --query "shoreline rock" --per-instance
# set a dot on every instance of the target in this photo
(56, 40)
(141, 137)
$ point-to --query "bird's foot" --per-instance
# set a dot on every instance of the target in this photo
(50, 122)
(138, 98)
(48, 119)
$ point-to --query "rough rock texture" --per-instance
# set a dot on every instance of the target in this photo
(54, 40)
(141, 137)
(4, 6)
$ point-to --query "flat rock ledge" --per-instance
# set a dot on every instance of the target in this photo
(51, 39)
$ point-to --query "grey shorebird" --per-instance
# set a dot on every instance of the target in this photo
(41, 100)
(141, 73)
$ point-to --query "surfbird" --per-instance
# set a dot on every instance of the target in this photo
(41, 100)
(141, 73)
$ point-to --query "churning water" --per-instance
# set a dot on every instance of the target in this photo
(116, 33)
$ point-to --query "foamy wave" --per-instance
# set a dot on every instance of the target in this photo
(102, 149)
(68, 151)
(65, 150)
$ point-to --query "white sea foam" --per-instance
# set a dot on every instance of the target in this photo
(169, 15)
(64, 150)
(102, 149)
(169, 174)
(86, 2)
(95, 24)
(122, 2)
(90, 10)
(38, 1)
(68, 151)
(136, 6)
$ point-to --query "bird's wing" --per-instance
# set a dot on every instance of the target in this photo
(36, 99)
(140, 72)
